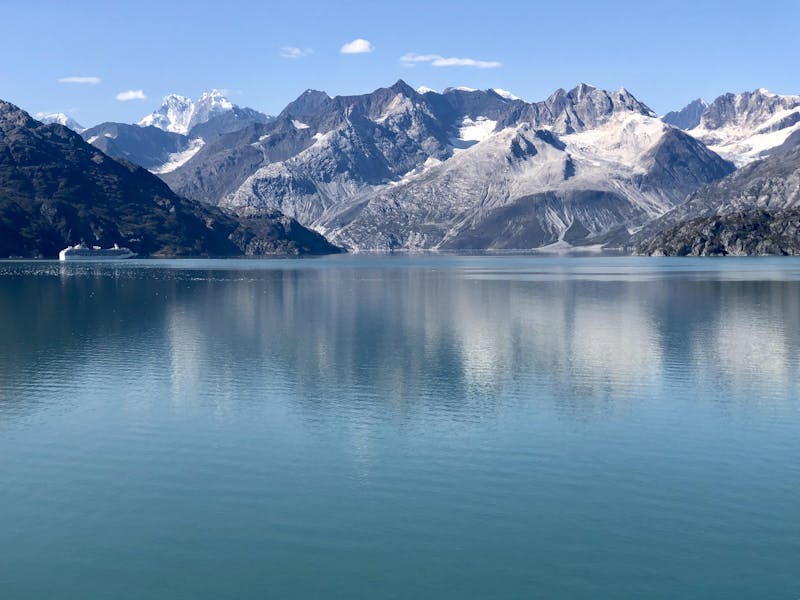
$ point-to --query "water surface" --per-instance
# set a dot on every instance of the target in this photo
(400, 427)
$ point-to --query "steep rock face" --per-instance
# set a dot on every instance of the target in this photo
(748, 126)
(356, 144)
(148, 147)
(747, 110)
(688, 117)
(222, 165)
(681, 164)
(55, 190)
(748, 233)
(586, 107)
(771, 184)
(227, 122)
(528, 186)
(753, 195)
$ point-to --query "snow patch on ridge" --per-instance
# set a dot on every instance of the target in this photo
(476, 130)
(743, 144)
(178, 159)
(622, 141)
(505, 94)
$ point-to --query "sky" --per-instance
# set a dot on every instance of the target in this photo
(114, 61)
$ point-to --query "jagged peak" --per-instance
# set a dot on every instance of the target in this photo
(214, 93)
(559, 93)
(582, 89)
(171, 98)
(312, 93)
(401, 87)
(13, 115)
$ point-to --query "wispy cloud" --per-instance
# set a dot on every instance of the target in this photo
(295, 52)
(357, 46)
(437, 60)
(76, 79)
(131, 95)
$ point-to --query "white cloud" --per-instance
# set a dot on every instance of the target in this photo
(295, 52)
(437, 60)
(357, 46)
(131, 95)
(75, 79)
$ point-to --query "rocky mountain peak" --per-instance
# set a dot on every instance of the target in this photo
(401, 87)
(178, 114)
(586, 106)
(688, 117)
(13, 117)
(61, 119)
(746, 109)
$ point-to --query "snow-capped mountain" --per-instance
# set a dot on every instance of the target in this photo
(180, 114)
(61, 119)
(524, 187)
(168, 138)
(401, 169)
(689, 116)
(747, 126)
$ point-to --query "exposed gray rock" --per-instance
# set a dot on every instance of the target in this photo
(746, 109)
(751, 233)
(762, 196)
(689, 116)
(148, 147)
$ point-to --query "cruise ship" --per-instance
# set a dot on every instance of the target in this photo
(84, 252)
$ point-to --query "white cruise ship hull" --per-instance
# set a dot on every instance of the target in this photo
(90, 254)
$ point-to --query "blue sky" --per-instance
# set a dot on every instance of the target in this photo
(267, 53)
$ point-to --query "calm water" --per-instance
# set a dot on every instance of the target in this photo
(429, 427)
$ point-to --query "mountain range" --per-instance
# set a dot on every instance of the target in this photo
(56, 190)
(173, 133)
(401, 168)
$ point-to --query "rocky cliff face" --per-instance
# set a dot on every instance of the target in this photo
(689, 116)
(748, 126)
(751, 211)
(748, 233)
(148, 147)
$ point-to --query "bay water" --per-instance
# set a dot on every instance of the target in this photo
(400, 427)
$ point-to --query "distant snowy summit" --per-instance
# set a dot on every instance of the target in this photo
(61, 119)
(179, 114)
(742, 127)
(173, 134)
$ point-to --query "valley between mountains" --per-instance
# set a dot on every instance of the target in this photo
(410, 169)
